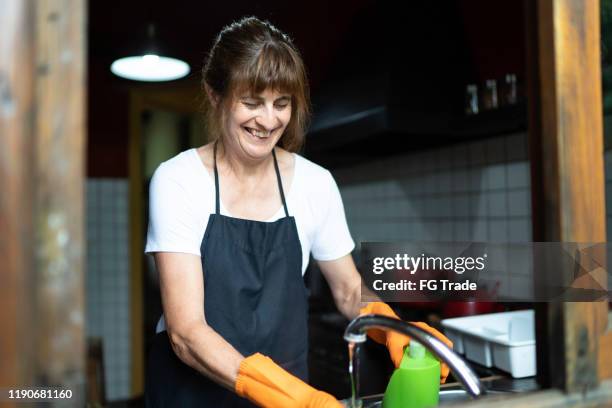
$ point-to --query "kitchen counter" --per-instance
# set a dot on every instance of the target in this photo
(497, 380)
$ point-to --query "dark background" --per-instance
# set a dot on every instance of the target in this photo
(355, 52)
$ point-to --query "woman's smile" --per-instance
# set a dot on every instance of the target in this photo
(258, 133)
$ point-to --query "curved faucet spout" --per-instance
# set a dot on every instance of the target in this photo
(356, 332)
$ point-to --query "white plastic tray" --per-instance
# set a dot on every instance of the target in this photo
(504, 340)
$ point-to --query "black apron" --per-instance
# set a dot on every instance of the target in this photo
(254, 297)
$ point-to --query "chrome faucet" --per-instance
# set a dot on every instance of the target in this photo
(356, 333)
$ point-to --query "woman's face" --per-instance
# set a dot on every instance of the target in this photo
(256, 123)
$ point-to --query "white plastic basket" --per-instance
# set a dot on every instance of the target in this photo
(503, 340)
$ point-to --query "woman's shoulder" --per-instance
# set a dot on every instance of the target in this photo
(302, 164)
(311, 168)
(181, 169)
(180, 162)
(314, 177)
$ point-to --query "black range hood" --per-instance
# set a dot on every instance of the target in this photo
(400, 84)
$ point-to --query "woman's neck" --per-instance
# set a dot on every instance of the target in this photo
(241, 166)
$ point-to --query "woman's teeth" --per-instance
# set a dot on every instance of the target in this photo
(257, 133)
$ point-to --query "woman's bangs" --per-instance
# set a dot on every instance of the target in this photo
(273, 68)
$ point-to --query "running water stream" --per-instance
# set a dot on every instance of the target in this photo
(353, 349)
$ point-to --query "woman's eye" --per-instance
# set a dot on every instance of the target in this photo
(282, 105)
(250, 105)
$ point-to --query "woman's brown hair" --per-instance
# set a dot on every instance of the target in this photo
(251, 55)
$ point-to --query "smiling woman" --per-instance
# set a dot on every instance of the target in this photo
(230, 256)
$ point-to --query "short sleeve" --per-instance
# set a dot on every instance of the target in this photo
(332, 239)
(173, 223)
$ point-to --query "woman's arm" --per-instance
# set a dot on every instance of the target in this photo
(193, 341)
(345, 283)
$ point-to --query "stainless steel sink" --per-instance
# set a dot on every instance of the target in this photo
(446, 397)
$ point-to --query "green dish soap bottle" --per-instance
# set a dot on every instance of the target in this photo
(416, 383)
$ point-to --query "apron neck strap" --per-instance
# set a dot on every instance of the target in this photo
(278, 180)
(217, 204)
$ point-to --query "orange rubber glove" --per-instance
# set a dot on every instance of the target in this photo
(395, 341)
(268, 385)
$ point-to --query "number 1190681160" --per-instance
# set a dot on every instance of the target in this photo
(35, 394)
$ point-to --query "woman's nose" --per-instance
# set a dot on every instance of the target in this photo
(267, 119)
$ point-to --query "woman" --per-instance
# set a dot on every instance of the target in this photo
(232, 226)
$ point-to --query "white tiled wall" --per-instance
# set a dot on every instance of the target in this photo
(474, 191)
(107, 279)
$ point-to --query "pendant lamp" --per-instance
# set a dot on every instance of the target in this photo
(150, 67)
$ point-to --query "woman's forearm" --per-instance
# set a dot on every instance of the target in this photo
(351, 302)
(346, 285)
(206, 351)
(348, 301)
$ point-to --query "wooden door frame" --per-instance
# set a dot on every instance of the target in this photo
(180, 98)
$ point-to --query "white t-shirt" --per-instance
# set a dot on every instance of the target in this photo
(182, 196)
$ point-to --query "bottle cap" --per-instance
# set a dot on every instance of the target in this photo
(417, 350)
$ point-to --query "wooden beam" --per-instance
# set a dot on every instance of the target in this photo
(605, 348)
(16, 240)
(568, 190)
(42, 122)
(59, 145)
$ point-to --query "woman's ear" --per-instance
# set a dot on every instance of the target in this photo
(212, 95)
